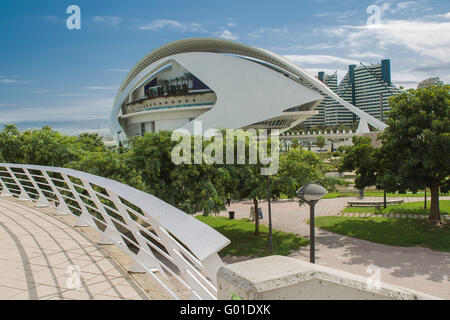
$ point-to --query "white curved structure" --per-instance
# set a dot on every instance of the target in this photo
(177, 250)
(247, 87)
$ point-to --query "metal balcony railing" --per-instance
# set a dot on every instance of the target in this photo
(177, 250)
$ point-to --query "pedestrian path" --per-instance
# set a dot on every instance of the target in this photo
(417, 268)
(42, 257)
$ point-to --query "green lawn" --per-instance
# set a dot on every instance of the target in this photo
(391, 231)
(405, 208)
(245, 243)
(374, 193)
(359, 209)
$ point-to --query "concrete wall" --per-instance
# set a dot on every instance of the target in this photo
(170, 124)
(280, 278)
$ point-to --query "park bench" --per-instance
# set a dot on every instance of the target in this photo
(373, 203)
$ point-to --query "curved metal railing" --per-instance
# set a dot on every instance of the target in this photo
(177, 250)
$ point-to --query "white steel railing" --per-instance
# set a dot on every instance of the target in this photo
(177, 250)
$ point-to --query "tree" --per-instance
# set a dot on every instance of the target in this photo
(91, 142)
(247, 183)
(362, 158)
(191, 187)
(416, 145)
(110, 164)
(10, 143)
(42, 147)
(295, 143)
(246, 180)
(320, 142)
(298, 167)
(48, 147)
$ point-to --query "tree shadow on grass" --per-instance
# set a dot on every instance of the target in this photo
(410, 211)
(245, 243)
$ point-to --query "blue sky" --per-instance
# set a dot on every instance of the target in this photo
(69, 78)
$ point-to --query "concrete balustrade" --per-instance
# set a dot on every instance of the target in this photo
(278, 277)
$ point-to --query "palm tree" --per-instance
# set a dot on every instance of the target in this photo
(320, 142)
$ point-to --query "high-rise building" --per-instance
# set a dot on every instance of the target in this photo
(327, 102)
(366, 87)
(428, 82)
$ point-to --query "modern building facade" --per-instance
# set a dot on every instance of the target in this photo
(221, 83)
(327, 105)
(428, 82)
(366, 87)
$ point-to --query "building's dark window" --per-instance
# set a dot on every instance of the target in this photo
(142, 128)
(198, 84)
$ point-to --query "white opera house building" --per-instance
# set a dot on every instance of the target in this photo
(224, 84)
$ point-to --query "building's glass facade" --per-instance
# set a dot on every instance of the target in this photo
(366, 87)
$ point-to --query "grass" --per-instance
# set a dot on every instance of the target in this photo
(359, 209)
(333, 195)
(391, 231)
(405, 208)
(245, 243)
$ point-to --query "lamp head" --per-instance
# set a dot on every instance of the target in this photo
(311, 191)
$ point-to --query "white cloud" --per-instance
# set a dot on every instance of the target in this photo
(57, 111)
(318, 59)
(54, 19)
(72, 95)
(424, 38)
(343, 16)
(173, 25)
(12, 79)
(118, 70)
(445, 15)
(7, 105)
(405, 4)
(228, 35)
(268, 32)
(8, 81)
(41, 91)
(410, 77)
(108, 20)
(365, 54)
(317, 46)
(102, 88)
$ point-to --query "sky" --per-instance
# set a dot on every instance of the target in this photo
(69, 78)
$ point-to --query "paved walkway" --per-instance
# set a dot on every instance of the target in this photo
(40, 256)
(417, 268)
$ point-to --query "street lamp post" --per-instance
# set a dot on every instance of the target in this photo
(311, 193)
(270, 215)
(118, 140)
(312, 247)
(268, 161)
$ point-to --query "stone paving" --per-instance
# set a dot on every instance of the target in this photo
(38, 253)
(417, 268)
(40, 256)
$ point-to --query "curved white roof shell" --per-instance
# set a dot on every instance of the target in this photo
(182, 52)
